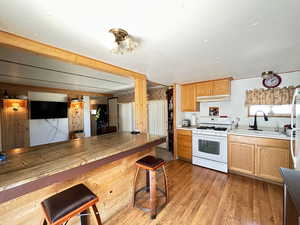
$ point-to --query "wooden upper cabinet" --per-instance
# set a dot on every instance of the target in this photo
(214, 87)
(204, 88)
(188, 98)
(221, 87)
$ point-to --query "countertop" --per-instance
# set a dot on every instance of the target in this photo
(244, 131)
(291, 180)
(26, 165)
(265, 133)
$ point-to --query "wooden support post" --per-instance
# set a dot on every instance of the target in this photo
(140, 97)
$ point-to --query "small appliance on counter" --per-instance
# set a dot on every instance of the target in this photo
(194, 120)
(186, 123)
(288, 130)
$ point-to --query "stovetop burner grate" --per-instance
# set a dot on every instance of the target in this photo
(212, 128)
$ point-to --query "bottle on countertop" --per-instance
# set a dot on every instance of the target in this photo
(194, 120)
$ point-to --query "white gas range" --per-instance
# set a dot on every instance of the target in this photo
(210, 146)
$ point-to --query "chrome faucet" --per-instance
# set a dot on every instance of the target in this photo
(254, 126)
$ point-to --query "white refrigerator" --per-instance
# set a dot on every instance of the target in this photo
(295, 123)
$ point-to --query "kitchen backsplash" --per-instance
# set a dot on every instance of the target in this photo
(236, 106)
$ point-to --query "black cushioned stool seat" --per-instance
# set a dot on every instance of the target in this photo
(64, 205)
(151, 164)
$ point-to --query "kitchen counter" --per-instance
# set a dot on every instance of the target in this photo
(29, 169)
(265, 133)
(244, 131)
(187, 128)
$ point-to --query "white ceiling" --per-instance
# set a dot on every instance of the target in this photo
(181, 41)
(22, 67)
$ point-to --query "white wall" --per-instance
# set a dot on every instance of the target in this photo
(158, 117)
(126, 116)
(42, 131)
(86, 116)
(236, 106)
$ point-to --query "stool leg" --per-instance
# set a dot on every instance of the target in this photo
(134, 184)
(153, 194)
(83, 217)
(43, 222)
(147, 181)
(166, 184)
(96, 212)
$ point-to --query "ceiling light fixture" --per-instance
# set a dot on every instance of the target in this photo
(123, 43)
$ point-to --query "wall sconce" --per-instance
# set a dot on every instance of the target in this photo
(76, 106)
(14, 104)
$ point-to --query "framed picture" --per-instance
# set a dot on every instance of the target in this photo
(214, 111)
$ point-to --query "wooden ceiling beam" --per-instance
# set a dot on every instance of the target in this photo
(10, 86)
(61, 54)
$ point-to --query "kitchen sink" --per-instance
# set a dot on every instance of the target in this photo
(261, 133)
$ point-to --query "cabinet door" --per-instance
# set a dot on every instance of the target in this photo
(221, 87)
(188, 98)
(242, 158)
(269, 160)
(204, 88)
(184, 147)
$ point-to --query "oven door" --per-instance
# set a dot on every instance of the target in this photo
(210, 147)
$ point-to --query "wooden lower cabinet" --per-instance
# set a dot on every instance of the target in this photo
(242, 158)
(184, 144)
(269, 160)
(259, 157)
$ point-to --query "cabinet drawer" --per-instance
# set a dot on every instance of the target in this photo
(184, 132)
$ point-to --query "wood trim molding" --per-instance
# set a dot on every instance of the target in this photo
(175, 154)
(61, 54)
(197, 82)
(52, 90)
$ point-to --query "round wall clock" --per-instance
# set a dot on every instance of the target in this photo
(272, 82)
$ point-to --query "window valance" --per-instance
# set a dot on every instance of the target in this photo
(275, 96)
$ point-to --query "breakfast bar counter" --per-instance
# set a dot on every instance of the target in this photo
(104, 163)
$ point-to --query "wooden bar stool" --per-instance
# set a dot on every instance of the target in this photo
(151, 164)
(61, 207)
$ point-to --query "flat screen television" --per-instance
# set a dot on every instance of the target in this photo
(48, 110)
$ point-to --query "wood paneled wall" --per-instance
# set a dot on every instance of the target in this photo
(75, 116)
(152, 94)
(14, 127)
(111, 182)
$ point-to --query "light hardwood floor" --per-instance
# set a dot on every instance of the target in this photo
(200, 196)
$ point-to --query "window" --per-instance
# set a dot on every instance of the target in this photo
(271, 110)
